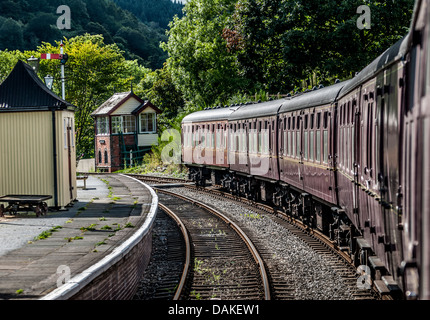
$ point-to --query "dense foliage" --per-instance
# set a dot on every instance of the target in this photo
(223, 46)
(150, 11)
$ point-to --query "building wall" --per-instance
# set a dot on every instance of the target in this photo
(127, 107)
(103, 143)
(66, 144)
(26, 156)
(147, 139)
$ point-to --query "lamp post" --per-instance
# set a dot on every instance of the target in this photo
(49, 81)
(34, 63)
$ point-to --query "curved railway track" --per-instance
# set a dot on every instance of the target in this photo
(336, 259)
(221, 261)
(280, 285)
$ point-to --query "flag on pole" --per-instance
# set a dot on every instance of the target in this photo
(49, 56)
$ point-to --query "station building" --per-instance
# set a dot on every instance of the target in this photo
(125, 129)
(37, 139)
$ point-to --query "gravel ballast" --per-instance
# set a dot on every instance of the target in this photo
(307, 270)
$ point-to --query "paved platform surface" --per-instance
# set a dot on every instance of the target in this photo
(105, 215)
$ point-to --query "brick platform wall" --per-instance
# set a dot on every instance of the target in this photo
(120, 282)
(117, 276)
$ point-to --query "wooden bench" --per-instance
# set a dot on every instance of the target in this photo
(85, 181)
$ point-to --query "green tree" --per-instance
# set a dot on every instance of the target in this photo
(94, 71)
(11, 34)
(199, 64)
(285, 42)
(8, 59)
(158, 87)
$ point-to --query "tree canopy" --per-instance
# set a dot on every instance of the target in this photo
(221, 47)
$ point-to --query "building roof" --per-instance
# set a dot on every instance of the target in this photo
(22, 90)
(117, 100)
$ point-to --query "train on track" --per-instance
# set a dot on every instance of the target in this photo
(351, 160)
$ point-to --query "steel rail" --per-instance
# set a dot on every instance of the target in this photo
(239, 231)
(178, 221)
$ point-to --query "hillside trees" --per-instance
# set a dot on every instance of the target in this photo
(24, 24)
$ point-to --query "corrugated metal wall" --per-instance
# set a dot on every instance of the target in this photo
(26, 155)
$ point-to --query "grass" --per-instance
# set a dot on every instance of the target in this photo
(47, 233)
(91, 227)
(74, 238)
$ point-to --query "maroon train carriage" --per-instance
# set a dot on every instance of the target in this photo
(204, 143)
(352, 159)
(306, 162)
(253, 150)
(414, 194)
(368, 141)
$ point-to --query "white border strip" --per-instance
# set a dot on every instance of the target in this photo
(78, 282)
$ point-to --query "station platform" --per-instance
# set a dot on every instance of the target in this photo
(60, 255)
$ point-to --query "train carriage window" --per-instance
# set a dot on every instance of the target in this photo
(340, 148)
(325, 146)
(305, 145)
(318, 146)
(345, 113)
(349, 112)
(347, 147)
(294, 123)
(306, 122)
(190, 136)
(298, 146)
(340, 115)
(289, 123)
(293, 148)
(325, 120)
(312, 121)
(318, 120)
(225, 137)
(259, 138)
(311, 145)
(285, 145)
(289, 143)
(244, 135)
(370, 137)
(325, 137)
(266, 137)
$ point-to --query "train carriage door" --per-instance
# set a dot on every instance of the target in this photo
(356, 125)
(299, 153)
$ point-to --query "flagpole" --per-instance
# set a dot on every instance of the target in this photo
(63, 80)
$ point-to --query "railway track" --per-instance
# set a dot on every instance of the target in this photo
(158, 179)
(281, 285)
(223, 263)
(334, 257)
(170, 254)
